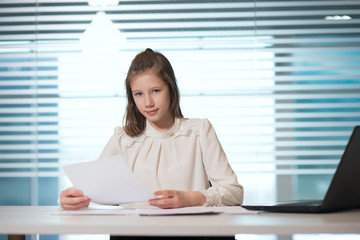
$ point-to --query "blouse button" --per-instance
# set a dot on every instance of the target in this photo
(171, 134)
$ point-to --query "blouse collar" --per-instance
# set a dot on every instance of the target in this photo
(152, 132)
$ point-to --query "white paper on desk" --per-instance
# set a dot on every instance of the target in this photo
(177, 211)
(228, 210)
(114, 210)
(153, 211)
(107, 181)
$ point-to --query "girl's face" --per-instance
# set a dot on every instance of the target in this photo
(152, 98)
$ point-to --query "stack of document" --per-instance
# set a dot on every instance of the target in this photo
(153, 211)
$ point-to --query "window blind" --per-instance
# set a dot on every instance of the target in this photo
(279, 80)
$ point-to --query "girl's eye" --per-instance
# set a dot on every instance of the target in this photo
(156, 91)
(138, 94)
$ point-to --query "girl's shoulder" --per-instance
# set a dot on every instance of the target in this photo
(193, 122)
(195, 125)
(123, 138)
(119, 131)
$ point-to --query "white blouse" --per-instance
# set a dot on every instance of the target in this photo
(186, 157)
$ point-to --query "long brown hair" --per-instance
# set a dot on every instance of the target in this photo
(134, 121)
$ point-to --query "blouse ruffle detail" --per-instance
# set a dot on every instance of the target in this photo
(176, 131)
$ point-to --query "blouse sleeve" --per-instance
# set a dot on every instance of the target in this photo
(225, 189)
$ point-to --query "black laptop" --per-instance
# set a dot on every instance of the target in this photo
(343, 192)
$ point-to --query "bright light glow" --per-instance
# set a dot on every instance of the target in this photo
(103, 3)
(338, 17)
(102, 36)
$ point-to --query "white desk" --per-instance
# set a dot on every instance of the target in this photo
(20, 220)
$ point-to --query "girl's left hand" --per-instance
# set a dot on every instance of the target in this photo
(177, 199)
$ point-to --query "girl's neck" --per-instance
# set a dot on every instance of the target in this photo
(163, 126)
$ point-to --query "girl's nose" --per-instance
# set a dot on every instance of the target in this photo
(149, 102)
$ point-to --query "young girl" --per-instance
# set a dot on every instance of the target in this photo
(179, 159)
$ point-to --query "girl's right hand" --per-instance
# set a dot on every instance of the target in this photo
(73, 199)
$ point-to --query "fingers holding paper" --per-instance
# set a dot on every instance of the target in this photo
(177, 199)
(73, 199)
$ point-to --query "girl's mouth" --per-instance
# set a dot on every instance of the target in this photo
(151, 113)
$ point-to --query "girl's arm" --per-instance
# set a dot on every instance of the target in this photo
(176, 199)
(225, 189)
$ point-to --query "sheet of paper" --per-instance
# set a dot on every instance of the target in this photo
(107, 181)
(177, 211)
(153, 211)
(229, 210)
(114, 210)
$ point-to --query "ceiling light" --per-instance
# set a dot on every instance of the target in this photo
(102, 36)
(103, 3)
